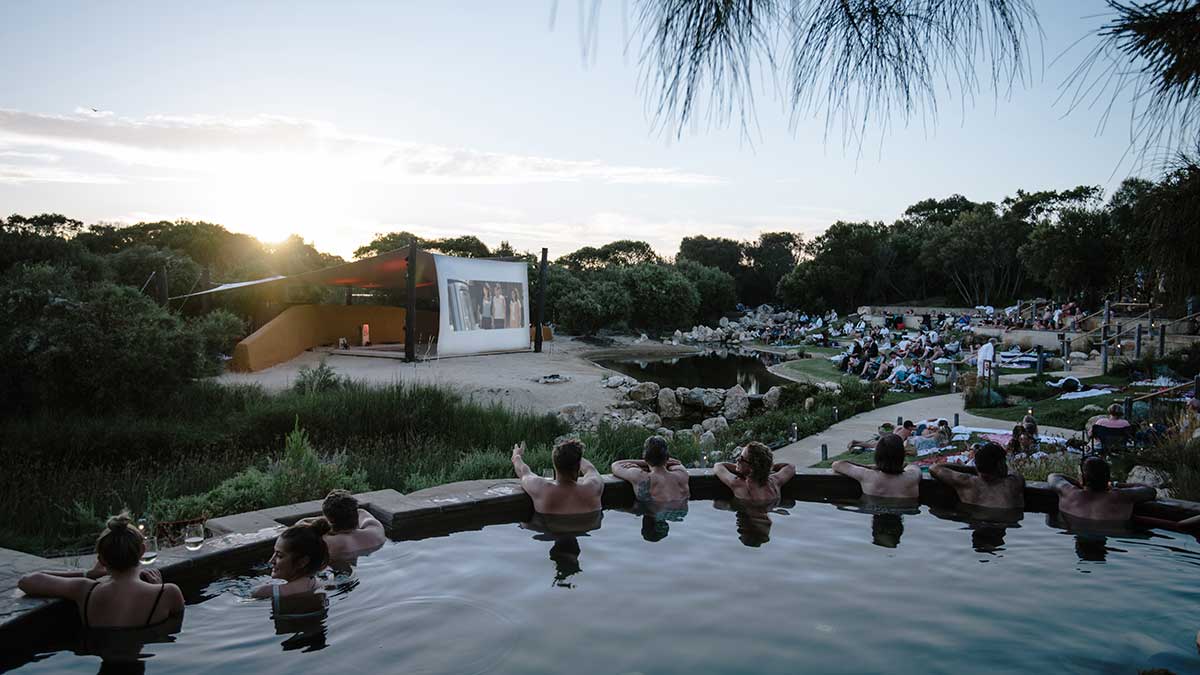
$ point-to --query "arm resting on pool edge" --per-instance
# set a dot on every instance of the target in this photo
(952, 474)
(782, 472)
(1059, 482)
(588, 475)
(630, 470)
(725, 474)
(851, 469)
(49, 585)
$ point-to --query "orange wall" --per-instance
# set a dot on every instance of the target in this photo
(302, 327)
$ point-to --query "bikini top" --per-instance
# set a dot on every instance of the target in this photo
(149, 617)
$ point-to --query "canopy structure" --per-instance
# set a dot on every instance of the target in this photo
(387, 270)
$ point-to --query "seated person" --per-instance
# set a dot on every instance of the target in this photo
(1015, 446)
(754, 477)
(576, 487)
(1115, 420)
(300, 552)
(889, 477)
(351, 530)
(988, 483)
(116, 593)
(1031, 425)
(656, 477)
(1095, 500)
(933, 436)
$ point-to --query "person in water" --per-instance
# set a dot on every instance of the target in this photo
(576, 488)
(889, 477)
(656, 477)
(988, 483)
(352, 530)
(115, 593)
(754, 476)
(1095, 499)
(300, 552)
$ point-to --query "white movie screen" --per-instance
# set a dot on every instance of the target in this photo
(485, 305)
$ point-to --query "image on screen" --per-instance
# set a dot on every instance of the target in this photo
(485, 305)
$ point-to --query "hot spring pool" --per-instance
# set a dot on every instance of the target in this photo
(809, 587)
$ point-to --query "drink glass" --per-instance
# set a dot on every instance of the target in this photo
(151, 552)
(193, 536)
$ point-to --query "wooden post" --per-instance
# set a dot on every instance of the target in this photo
(349, 296)
(1162, 339)
(1041, 361)
(1127, 405)
(1104, 349)
(541, 304)
(824, 451)
(410, 312)
(1137, 342)
(955, 419)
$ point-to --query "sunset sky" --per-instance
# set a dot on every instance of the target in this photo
(336, 121)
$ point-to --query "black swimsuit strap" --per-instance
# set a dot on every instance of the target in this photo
(162, 587)
(87, 598)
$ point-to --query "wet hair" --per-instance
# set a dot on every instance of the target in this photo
(120, 544)
(566, 457)
(991, 462)
(889, 454)
(1116, 410)
(1096, 474)
(307, 540)
(761, 459)
(340, 508)
(655, 451)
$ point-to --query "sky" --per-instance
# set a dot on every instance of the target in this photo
(338, 121)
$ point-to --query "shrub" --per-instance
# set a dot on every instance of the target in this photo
(717, 289)
(660, 297)
(318, 379)
(219, 331)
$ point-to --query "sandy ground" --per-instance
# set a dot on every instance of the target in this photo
(505, 378)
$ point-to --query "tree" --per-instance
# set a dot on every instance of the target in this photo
(622, 253)
(717, 289)
(840, 270)
(771, 257)
(660, 297)
(597, 305)
(1077, 254)
(723, 254)
(978, 251)
(45, 224)
(467, 246)
(385, 243)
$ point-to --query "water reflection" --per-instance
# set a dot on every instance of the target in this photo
(887, 517)
(753, 519)
(563, 531)
(122, 650)
(658, 516)
(988, 526)
(301, 617)
(719, 368)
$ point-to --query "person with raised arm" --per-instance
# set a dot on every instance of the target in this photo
(889, 477)
(576, 488)
(656, 477)
(352, 530)
(754, 476)
(988, 483)
(1094, 498)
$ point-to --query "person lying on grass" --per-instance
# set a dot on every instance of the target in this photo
(352, 531)
(754, 476)
(656, 477)
(576, 487)
(889, 477)
(988, 483)
(117, 592)
(1095, 499)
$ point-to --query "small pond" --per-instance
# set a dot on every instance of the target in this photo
(720, 369)
(800, 588)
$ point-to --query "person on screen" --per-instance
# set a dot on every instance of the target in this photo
(1095, 499)
(754, 476)
(516, 315)
(485, 308)
(988, 483)
(656, 477)
(576, 487)
(889, 477)
(499, 308)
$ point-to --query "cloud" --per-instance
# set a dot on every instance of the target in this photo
(285, 148)
(14, 174)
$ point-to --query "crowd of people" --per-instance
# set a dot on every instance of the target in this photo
(118, 594)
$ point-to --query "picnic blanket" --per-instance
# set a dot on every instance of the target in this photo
(1086, 393)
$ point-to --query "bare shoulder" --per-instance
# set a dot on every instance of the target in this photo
(174, 597)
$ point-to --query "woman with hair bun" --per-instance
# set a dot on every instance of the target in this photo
(300, 552)
(115, 593)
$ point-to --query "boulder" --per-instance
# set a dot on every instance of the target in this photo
(771, 398)
(724, 322)
(1079, 356)
(643, 392)
(693, 397)
(708, 441)
(1091, 408)
(668, 405)
(1147, 476)
(665, 433)
(712, 399)
(810, 403)
(737, 403)
(649, 420)
(575, 415)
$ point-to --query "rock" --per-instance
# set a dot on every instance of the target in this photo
(697, 429)
(712, 399)
(810, 403)
(715, 424)
(641, 338)
(665, 433)
(1095, 353)
(668, 405)
(643, 392)
(1079, 356)
(694, 397)
(1147, 476)
(1092, 408)
(708, 441)
(685, 436)
(724, 322)
(771, 398)
(649, 420)
(737, 403)
(575, 415)
(792, 355)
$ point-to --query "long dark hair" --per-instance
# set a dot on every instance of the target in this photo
(308, 541)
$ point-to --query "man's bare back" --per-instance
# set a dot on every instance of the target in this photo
(1112, 505)
(738, 476)
(1005, 493)
(876, 483)
(562, 495)
(654, 484)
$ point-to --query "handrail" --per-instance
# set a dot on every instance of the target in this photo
(1184, 318)
(1168, 390)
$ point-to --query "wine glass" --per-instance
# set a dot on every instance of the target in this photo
(193, 536)
(151, 552)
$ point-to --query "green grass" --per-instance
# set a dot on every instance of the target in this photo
(820, 369)
(1045, 404)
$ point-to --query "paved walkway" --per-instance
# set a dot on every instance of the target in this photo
(807, 451)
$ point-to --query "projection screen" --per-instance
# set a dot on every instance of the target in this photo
(484, 305)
